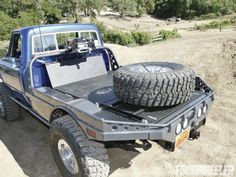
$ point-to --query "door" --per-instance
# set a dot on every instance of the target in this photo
(12, 63)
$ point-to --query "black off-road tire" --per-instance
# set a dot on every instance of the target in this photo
(91, 156)
(154, 84)
(9, 109)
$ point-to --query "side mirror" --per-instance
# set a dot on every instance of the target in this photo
(3, 53)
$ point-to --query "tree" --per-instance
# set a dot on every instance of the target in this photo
(7, 24)
(29, 18)
(191, 8)
(123, 6)
(88, 7)
(72, 7)
(13, 7)
(145, 6)
(51, 11)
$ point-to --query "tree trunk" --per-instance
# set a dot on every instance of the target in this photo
(76, 16)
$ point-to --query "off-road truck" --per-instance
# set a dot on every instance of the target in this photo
(66, 78)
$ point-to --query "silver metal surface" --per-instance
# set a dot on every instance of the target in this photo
(41, 106)
(10, 72)
(2, 110)
(65, 74)
(45, 121)
(67, 157)
(96, 89)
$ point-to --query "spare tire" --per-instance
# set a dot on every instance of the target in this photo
(154, 84)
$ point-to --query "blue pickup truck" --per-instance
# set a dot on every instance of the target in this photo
(67, 79)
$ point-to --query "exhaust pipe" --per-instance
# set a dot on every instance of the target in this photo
(194, 134)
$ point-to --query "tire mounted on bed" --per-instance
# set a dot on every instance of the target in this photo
(154, 84)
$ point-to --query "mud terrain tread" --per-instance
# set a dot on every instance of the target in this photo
(11, 109)
(154, 89)
(93, 158)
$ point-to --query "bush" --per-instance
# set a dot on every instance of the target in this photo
(199, 27)
(233, 20)
(102, 28)
(214, 25)
(166, 34)
(122, 38)
(206, 16)
(141, 38)
(119, 37)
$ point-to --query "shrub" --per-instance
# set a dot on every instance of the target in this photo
(206, 16)
(199, 27)
(141, 38)
(102, 28)
(166, 34)
(122, 38)
(233, 20)
(119, 37)
(214, 24)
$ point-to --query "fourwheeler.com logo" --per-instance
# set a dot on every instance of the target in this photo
(204, 170)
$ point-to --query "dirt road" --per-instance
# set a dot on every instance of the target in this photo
(147, 23)
(212, 55)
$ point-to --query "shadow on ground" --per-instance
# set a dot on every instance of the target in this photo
(27, 140)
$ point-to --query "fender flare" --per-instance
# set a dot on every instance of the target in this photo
(73, 116)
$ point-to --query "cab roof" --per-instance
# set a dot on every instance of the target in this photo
(55, 28)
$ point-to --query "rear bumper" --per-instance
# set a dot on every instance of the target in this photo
(166, 131)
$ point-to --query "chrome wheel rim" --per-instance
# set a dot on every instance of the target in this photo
(67, 157)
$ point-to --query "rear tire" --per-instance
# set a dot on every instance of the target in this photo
(8, 108)
(154, 84)
(89, 157)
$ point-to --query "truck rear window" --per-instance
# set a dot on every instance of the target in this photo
(45, 43)
(58, 41)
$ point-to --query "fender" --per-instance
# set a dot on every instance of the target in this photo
(73, 116)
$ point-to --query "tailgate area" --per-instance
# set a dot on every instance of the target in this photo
(158, 115)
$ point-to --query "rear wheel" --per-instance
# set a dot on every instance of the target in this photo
(8, 108)
(74, 153)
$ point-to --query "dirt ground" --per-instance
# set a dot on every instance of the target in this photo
(212, 55)
(148, 23)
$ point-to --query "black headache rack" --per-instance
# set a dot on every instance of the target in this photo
(155, 117)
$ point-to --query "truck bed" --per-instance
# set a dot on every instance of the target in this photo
(100, 90)
(91, 89)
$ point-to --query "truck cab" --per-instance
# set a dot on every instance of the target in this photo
(28, 42)
(24, 75)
